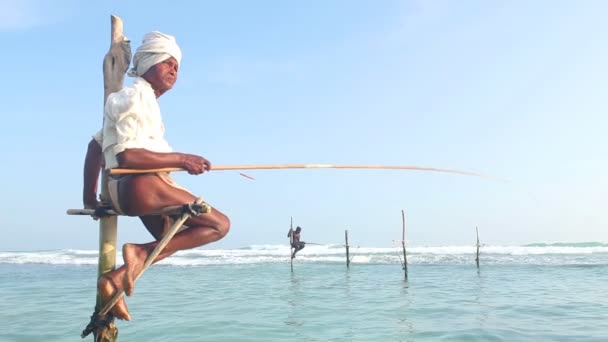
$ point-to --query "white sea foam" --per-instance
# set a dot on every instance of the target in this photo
(554, 254)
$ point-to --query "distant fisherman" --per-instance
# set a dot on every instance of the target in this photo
(295, 241)
(133, 137)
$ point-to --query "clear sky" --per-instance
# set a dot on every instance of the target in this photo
(512, 89)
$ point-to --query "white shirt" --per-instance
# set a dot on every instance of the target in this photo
(132, 119)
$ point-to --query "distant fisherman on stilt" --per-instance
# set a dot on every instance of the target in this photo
(295, 241)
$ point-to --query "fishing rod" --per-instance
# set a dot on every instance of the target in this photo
(122, 171)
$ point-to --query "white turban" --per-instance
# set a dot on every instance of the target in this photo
(155, 48)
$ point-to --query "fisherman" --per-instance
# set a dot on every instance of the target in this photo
(295, 241)
(133, 138)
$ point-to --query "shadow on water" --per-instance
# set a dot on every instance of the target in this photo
(303, 292)
(349, 335)
(480, 301)
(294, 292)
(405, 327)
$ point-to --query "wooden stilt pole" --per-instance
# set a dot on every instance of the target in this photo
(291, 243)
(477, 254)
(115, 65)
(347, 251)
(403, 245)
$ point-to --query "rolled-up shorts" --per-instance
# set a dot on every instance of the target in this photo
(113, 183)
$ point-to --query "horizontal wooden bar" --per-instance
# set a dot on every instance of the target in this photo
(171, 210)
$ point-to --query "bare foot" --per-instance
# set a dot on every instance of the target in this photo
(134, 257)
(107, 288)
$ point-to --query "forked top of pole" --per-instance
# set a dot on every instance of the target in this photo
(117, 29)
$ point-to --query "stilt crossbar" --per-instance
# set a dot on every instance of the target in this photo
(106, 211)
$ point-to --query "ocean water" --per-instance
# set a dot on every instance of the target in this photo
(538, 292)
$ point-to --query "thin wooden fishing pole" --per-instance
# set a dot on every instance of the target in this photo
(119, 171)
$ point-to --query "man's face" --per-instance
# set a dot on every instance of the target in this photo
(162, 76)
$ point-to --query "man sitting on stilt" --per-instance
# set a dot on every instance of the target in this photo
(296, 244)
(133, 138)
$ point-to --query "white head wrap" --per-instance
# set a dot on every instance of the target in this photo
(155, 48)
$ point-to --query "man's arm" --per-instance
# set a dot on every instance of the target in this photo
(92, 166)
(139, 158)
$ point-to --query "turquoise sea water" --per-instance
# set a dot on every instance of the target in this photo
(521, 293)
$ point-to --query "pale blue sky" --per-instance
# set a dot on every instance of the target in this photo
(511, 89)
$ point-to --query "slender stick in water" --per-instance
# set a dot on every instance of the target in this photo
(346, 245)
(403, 245)
(477, 255)
(291, 243)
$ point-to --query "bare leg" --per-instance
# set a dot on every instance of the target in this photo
(299, 247)
(156, 194)
(108, 286)
(135, 255)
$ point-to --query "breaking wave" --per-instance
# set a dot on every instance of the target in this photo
(560, 253)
